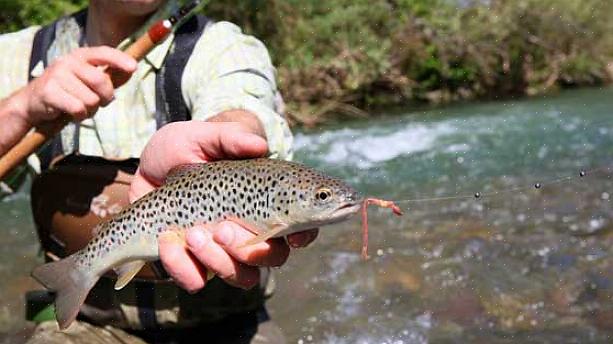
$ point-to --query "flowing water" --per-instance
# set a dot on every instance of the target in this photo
(526, 265)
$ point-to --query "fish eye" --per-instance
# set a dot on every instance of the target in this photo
(323, 194)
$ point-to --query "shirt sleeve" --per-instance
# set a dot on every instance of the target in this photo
(16, 48)
(229, 70)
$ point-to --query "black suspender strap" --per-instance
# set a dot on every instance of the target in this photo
(170, 105)
(42, 41)
(40, 46)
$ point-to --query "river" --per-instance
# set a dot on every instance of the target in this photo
(530, 260)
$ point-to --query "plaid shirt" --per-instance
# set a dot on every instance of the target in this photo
(225, 72)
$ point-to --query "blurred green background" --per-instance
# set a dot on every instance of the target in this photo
(342, 57)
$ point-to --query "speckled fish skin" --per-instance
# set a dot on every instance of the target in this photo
(274, 196)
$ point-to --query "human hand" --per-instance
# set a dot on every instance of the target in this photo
(189, 142)
(215, 247)
(219, 248)
(73, 85)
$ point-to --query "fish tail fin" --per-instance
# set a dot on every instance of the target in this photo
(70, 284)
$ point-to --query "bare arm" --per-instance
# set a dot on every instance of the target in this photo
(71, 85)
(14, 125)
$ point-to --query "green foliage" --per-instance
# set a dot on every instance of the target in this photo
(341, 55)
(17, 14)
(355, 53)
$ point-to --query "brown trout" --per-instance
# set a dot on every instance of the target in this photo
(276, 197)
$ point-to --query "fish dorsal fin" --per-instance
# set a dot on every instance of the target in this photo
(127, 272)
(180, 171)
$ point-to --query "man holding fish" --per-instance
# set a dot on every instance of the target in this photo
(220, 93)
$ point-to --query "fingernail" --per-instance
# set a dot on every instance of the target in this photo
(196, 238)
(224, 236)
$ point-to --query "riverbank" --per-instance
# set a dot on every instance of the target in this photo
(344, 57)
(340, 58)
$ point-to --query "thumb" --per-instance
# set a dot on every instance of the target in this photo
(243, 145)
(232, 140)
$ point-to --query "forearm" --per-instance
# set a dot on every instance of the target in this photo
(14, 125)
(242, 116)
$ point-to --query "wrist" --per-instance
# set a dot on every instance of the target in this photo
(15, 107)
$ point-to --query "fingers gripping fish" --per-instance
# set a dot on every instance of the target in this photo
(276, 197)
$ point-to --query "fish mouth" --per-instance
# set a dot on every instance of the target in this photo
(347, 209)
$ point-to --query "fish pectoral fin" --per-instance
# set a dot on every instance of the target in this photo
(243, 223)
(263, 236)
(126, 272)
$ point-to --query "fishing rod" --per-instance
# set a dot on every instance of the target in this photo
(155, 35)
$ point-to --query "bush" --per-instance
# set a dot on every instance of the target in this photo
(338, 55)
(344, 56)
(15, 15)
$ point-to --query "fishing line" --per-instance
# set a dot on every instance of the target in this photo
(539, 185)
(536, 186)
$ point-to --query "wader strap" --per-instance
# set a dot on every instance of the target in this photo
(42, 41)
(170, 105)
(40, 46)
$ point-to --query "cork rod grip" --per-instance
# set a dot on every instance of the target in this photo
(35, 139)
(30, 144)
